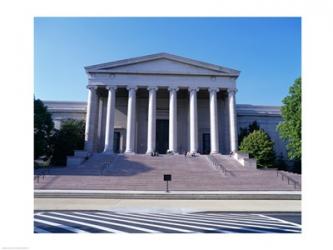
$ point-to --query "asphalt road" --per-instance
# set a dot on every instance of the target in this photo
(104, 221)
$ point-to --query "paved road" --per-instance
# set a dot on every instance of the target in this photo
(119, 222)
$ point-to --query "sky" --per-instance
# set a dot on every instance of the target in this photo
(267, 51)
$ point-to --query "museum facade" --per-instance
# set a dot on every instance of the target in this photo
(167, 104)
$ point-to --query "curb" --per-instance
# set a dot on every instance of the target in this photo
(173, 195)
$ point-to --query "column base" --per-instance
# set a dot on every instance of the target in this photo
(172, 152)
(129, 152)
(214, 153)
(108, 152)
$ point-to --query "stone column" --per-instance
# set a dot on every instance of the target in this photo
(214, 136)
(91, 117)
(110, 115)
(151, 135)
(100, 126)
(193, 120)
(173, 120)
(130, 129)
(232, 120)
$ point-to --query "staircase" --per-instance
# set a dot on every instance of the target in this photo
(145, 173)
(256, 179)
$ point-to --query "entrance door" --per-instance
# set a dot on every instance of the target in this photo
(205, 143)
(116, 142)
(162, 136)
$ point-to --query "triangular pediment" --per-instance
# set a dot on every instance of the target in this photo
(161, 64)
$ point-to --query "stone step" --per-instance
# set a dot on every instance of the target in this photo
(74, 161)
(142, 172)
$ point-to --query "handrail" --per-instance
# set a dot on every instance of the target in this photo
(42, 173)
(218, 165)
(289, 179)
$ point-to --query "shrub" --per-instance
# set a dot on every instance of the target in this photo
(259, 145)
(247, 130)
(70, 137)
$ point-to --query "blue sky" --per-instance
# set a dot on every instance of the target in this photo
(267, 51)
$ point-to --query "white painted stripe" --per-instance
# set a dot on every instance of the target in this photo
(54, 224)
(280, 226)
(117, 218)
(247, 221)
(93, 220)
(117, 224)
(112, 216)
(236, 223)
(209, 223)
(280, 220)
(167, 221)
(40, 230)
(239, 217)
(251, 216)
(252, 219)
(82, 223)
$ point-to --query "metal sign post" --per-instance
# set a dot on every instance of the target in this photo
(167, 178)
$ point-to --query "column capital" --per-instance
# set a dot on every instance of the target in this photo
(154, 88)
(111, 87)
(173, 89)
(92, 87)
(132, 88)
(232, 91)
(213, 89)
(190, 89)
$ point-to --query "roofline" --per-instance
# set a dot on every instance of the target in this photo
(190, 61)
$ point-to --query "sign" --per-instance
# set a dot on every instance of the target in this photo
(167, 177)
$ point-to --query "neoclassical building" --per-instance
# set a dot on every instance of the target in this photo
(165, 103)
(172, 104)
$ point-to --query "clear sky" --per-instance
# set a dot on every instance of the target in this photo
(267, 51)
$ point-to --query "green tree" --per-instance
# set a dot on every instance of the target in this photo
(43, 129)
(290, 128)
(70, 137)
(260, 146)
(246, 131)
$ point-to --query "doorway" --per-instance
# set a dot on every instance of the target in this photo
(206, 143)
(116, 142)
(162, 136)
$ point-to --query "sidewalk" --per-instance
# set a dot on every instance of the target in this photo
(177, 206)
(173, 195)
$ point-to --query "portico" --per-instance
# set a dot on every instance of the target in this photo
(193, 99)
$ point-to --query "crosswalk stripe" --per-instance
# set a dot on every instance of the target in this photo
(238, 222)
(95, 220)
(117, 218)
(240, 218)
(82, 223)
(248, 217)
(209, 223)
(267, 224)
(280, 220)
(153, 225)
(117, 224)
(258, 221)
(58, 225)
(172, 222)
(159, 222)
(40, 230)
(241, 225)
